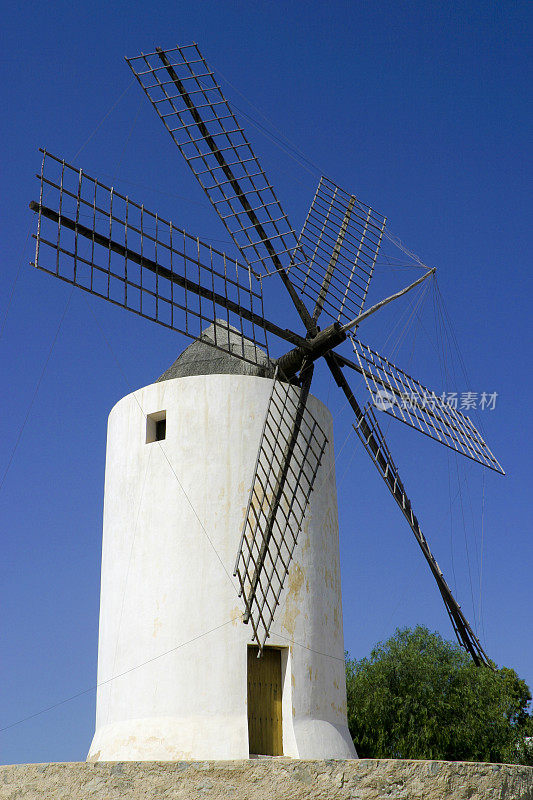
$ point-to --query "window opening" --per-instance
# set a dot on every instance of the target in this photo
(156, 427)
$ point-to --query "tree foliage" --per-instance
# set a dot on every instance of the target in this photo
(419, 696)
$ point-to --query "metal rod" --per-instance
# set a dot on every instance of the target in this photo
(377, 306)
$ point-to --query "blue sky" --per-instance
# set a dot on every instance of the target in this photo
(423, 110)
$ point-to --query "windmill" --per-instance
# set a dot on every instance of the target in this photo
(93, 237)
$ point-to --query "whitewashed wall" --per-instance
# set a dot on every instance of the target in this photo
(171, 509)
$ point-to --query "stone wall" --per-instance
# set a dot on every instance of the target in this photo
(267, 779)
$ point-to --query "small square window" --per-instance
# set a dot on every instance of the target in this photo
(156, 426)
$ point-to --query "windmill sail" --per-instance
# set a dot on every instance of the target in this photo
(374, 443)
(101, 241)
(290, 452)
(189, 101)
(403, 397)
(342, 237)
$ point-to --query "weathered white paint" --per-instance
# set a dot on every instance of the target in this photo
(173, 514)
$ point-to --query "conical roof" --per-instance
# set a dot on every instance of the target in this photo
(201, 358)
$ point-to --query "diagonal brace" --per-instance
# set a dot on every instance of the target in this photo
(372, 310)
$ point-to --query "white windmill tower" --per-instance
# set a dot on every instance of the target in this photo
(180, 455)
(179, 675)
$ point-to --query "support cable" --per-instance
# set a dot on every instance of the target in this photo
(283, 143)
(35, 391)
(114, 677)
(480, 615)
(125, 587)
(128, 137)
(453, 345)
(134, 394)
(21, 430)
(445, 340)
(13, 285)
(115, 104)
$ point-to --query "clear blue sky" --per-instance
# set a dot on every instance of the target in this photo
(422, 109)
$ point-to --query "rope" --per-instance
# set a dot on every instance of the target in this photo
(128, 567)
(446, 338)
(134, 394)
(412, 309)
(330, 470)
(481, 621)
(451, 522)
(421, 297)
(451, 338)
(128, 137)
(466, 544)
(410, 583)
(114, 677)
(115, 104)
(21, 430)
(12, 292)
(282, 140)
(285, 144)
(304, 647)
(35, 391)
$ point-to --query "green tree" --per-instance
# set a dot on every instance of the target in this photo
(419, 696)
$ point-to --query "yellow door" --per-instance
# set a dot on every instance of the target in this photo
(264, 702)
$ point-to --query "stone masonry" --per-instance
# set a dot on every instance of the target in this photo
(267, 779)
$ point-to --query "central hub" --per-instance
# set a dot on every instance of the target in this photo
(324, 341)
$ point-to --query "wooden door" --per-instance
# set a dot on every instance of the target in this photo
(264, 702)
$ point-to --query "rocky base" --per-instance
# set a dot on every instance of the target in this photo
(267, 778)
